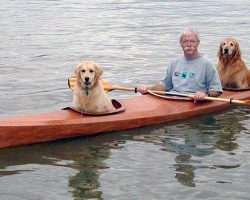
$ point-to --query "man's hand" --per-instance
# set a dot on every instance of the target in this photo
(142, 89)
(199, 96)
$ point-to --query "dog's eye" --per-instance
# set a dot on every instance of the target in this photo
(91, 70)
(231, 44)
(224, 43)
(83, 70)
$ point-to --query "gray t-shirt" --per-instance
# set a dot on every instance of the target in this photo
(191, 75)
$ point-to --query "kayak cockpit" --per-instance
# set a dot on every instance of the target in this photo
(119, 107)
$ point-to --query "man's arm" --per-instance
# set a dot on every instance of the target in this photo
(214, 94)
(157, 87)
(199, 96)
(144, 89)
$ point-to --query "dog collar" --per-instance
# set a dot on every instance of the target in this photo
(86, 90)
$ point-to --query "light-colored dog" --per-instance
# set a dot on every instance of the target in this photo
(232, 69)
(89, 96)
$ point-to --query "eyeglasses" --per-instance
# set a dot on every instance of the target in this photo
(185, 42)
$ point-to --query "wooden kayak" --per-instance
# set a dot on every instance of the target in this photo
(140, 111)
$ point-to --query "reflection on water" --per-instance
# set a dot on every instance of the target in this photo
(184, 172)
(207, 152)
(82, 156)
(85, 183)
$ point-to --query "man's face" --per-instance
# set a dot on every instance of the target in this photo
(189, 44)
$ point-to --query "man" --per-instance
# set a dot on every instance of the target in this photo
(190, 73)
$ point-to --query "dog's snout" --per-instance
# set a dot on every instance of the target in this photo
(226, 50)
(86, 79)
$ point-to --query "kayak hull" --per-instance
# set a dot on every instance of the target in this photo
(140, 111)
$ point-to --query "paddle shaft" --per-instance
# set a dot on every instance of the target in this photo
(191, 96)
(116, 87)
(108, 87)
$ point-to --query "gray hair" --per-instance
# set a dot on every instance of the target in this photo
(190, 31)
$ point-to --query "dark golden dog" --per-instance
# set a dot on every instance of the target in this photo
(232, 69)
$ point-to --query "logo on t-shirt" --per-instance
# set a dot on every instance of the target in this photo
(192, 74)
(185, 75)
(177, 73)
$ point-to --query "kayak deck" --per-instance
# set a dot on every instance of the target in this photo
(140, 111)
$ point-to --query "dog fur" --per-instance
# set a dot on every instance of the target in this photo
(89, 95)
(231, 68)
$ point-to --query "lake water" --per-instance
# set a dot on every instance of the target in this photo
(42, 41)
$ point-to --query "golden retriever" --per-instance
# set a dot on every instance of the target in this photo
(89, 95)
(232, 69)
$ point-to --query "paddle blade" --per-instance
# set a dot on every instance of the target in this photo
(105, 84)
(72, 82)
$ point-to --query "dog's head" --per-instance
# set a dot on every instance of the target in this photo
(229, 49)
(87, 74)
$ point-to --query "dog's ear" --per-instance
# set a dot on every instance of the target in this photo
(98, 70)
(237, 52)
(77, 71)
(220, 51)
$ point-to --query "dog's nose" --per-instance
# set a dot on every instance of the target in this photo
(86, 79)
(226, 51)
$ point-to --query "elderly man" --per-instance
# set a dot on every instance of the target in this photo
(190, 73)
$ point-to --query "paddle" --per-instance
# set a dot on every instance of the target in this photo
(109, 87)
(105, 84)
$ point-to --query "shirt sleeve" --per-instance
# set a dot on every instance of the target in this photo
(167, 81)
(213, 80)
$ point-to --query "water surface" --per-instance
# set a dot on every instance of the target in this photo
(134, 41)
